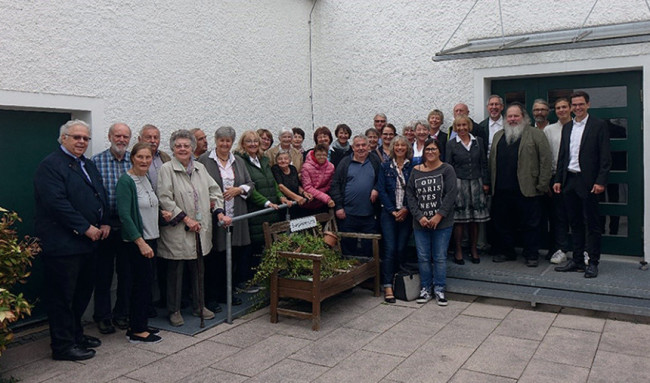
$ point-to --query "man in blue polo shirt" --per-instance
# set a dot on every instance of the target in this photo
(352, 191)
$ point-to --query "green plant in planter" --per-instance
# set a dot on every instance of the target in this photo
(15, 259)
(303, 242)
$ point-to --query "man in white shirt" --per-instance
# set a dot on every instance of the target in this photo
(558, 244)
(583, 164)
(494, 122)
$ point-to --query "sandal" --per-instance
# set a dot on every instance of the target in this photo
(388, 295)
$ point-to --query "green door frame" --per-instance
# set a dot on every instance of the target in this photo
(531, 88)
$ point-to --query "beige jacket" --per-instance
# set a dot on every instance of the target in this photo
(176, 194)
(296, 156)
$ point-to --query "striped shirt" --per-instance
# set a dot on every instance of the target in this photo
(110, 168)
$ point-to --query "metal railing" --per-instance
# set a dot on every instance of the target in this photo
(229, 251)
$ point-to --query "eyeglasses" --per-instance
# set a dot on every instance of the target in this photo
(78, 137)
(540, 110)
(431, 150)
(182, 146)
(382, 121)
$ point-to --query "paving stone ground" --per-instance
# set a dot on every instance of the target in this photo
(365, 340)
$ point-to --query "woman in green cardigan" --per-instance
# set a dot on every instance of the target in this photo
(137, 206)
(266, 192)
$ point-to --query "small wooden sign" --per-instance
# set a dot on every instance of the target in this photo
(302, 223)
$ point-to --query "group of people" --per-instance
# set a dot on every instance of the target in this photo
(152, 214)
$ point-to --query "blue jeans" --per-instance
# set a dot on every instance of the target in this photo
(432, 246)
(395, 236)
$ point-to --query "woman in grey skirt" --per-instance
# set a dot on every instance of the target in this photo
(466, 154)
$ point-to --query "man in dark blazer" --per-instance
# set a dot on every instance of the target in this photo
(71, 216)
(583, 163)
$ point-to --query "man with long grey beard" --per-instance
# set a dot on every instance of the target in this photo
(520, 165)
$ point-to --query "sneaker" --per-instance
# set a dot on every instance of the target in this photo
(440, 298)
(558, 257)
(176, 319)
(207, 314)
(152, 338)
(248, 289)
(425, 296)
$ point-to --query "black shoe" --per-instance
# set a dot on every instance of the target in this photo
(499, 258)
(105, 326)
(214, 307)
(88, 341)
(459, 261)
(152, 313)
(475, 260)
(152, 338)
(591, 271)
(571, 265)
(121, 323)
(236, 301)
(532, 262)
(74, 353)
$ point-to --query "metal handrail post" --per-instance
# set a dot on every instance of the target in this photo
(229, 253)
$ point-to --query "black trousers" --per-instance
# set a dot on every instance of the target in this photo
(215, 271)
(586, 228)
(511, 211)
(558, 222)
(111, 256)
(69, 286)
(142, 272)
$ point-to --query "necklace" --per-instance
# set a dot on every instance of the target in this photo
(222, 159)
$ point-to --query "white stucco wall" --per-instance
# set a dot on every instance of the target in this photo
(175, 64)
(376, 55)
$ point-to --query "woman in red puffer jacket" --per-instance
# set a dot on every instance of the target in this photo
(316, 175)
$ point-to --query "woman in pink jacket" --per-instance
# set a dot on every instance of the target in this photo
(316, 174)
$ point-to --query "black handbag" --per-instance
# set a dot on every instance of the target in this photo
(406, 284)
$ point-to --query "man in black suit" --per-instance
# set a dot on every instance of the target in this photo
(71, 216)
(583, 163)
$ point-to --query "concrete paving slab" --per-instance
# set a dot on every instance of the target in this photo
(289, 370)
(617, 367)
(465, 331)
(579, 322)
(244, 335)
(568, 346)
(362, 366)
(211, 375)
(257, 358)
(337, 346)
(503, 356)
(172, 343)
(467, 376)
(41, 370)
(626, 338)
(485, 310)
(380, 318)
(542, 371)
(177, 366)
(404, 338)
(525, 324)
(437, 365)
(25, 354)
(106, 367)
(123, 379)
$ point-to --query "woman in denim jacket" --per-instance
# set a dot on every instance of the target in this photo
(395, 218)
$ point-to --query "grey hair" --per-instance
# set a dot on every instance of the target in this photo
(361, 136)
(381, 115)
(404, 140)
(65, 128)
(112, 127)
(420, 122)
(541, 101)
(285, 130)
(182, 133)
(225, 132)
(408, 126)
(147, 127)
(494, 96)
(521, 108)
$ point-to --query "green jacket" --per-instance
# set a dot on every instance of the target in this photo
(126, 196)
(533, 162)
(266, 189)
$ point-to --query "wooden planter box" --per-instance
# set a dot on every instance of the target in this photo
(315, 291)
